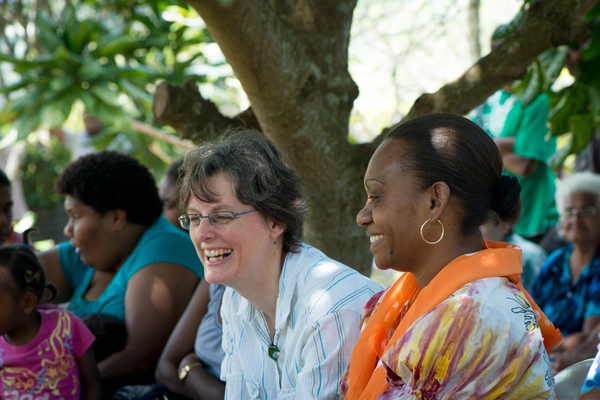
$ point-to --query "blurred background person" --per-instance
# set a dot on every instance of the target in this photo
(190, 364)
(168, 188)
(521, 134)
(568, 285)
(122, 260)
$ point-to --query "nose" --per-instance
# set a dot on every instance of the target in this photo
(203, 232)
(68, 230)
(364, 218)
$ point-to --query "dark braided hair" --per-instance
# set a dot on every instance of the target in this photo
(26, 272)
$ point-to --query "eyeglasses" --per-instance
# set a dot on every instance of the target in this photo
(218, 219)
(583, 212)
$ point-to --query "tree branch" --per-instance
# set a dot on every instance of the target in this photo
(547, 24)
(192, 116)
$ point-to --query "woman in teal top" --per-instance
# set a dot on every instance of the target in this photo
(123, 259)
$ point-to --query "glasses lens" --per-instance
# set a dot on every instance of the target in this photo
(184, 221)
(583, 212)
(588, 211)
(221, 219)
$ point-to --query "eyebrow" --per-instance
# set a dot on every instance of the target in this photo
(215, 207)
(367, 181)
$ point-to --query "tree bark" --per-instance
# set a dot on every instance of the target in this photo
(474, 29)
(291, 59)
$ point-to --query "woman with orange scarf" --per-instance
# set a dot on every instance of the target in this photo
(458, 323)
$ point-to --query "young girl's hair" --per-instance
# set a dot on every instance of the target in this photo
(25, 270)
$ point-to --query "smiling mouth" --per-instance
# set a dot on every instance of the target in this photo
(375, 238)
(217, 255)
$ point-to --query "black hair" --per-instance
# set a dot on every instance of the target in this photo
(453, 149)
(110, 333)
(258, 173)
(109, 180)
(26, 272)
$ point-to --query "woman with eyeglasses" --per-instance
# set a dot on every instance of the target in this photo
(568, 285)
(124, 264)
(457, 324)
(290, 314)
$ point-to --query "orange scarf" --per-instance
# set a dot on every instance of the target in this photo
(404, 303)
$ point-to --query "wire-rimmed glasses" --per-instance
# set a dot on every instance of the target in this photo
(583, 212)
(218, 219)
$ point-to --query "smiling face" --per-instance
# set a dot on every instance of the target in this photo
(90, 234)
(392, 216)
(234, 256)
(578, 228)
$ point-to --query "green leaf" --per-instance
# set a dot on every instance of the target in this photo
(135, 92)
(581, 131)
(47, 32)
(17, 85)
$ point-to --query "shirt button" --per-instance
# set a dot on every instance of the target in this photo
(569, 294)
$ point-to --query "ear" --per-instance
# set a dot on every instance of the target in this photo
(439, 196)
(275, 228)
(117, 218)
(29, 303)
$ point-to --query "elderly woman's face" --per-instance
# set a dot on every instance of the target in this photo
(391, 215)
(233, 255)
(580, 219)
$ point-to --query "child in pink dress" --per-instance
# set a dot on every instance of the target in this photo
(44, 353)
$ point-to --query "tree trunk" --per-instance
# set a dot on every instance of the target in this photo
(474, 31)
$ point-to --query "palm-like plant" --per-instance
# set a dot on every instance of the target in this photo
(106, 56)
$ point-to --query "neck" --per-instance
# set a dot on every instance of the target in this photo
(26, 331)
(582, 253)
(263, 292)
(125, 242)
(442, 255)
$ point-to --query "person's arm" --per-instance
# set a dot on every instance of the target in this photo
(578, 346)
(179, 352)
(520, 166)
(91, 386)
(54, 274)
(155, 299)
(200, 384)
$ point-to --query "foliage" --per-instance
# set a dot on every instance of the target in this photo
(106, 55)
(575, 109)
(42, 165)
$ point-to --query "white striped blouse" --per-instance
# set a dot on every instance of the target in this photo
(319, 309)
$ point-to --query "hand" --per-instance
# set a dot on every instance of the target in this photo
(560, 360)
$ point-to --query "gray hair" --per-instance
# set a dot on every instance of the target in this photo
(258, 174)
(578, 182)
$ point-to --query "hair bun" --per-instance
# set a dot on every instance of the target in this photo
(507, 195)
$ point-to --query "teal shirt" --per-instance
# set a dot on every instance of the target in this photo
(161, 243)
(528, 126)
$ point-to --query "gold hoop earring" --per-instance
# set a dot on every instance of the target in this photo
(275, 251)
(423, 237)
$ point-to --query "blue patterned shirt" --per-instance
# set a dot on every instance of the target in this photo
(317, 324)
(567, 305)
